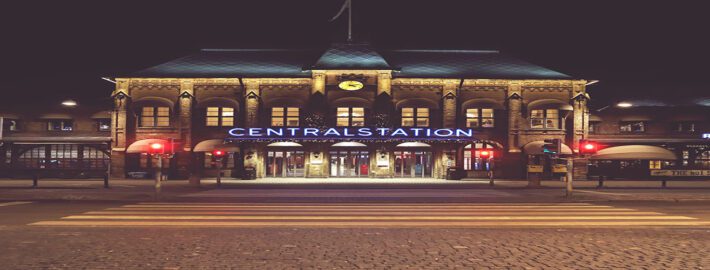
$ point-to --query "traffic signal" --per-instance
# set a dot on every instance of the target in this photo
(588, 147)
(552, 146)
(218, 153)
(156, 148)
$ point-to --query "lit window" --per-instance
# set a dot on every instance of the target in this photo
(654, 164)
(549, 118)
(220, 116)
(685, 127)
(412, 117)
(472, 158)
(593, 127)
(285, 116)
(347, 116)
(155, 117)
(60, 125)
(10, 125)
(104, 124)
(480, 117)
(632, 127)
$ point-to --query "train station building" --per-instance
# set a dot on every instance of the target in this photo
(348, 110)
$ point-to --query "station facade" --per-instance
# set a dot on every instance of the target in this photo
(347, 111)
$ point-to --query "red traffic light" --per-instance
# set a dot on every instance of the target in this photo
(588, 147)
(156, 148)
(485, 153)
(218, 153)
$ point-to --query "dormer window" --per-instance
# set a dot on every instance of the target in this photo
(60, 125)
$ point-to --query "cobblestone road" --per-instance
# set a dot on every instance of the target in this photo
(283, 248)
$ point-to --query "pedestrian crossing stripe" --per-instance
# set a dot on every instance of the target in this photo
(371, 215)
(13, 203)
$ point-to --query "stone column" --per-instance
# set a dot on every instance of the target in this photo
(515, 116)
(580, 122)
(253, 103)
(318, 82)
(119, 128)
(184, 157)
(449, 108)
(384, 82)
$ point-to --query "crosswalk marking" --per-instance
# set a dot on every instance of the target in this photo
(13, 203)
(372, 215)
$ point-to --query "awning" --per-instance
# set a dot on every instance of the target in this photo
(349, 144)
(413, 144)
(143, 146)
(101, 115)
(535, 148)
(210, 145)
(549, 104)
(635, 118)
(285, 144)
(60, 116)
(635, 152)
(9, 116)
(55, 140)
(482, 103)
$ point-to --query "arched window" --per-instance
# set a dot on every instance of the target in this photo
(219, 117)
(415, 117)
(472, 158)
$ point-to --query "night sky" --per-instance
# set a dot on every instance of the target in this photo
(638, 49)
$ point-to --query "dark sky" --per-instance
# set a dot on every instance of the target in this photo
(639, 49)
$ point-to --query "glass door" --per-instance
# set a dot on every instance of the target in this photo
(349, 163)
(285, 164)
(413, 164)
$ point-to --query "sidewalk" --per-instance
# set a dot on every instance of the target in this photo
(352, 189)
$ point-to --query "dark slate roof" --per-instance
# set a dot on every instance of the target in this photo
(465, 64)
(220, 63)
(358, 56)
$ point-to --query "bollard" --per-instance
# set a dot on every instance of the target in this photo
(601, 182)
(663, 183)
(490, 178)
(106, 180)
(34, 180)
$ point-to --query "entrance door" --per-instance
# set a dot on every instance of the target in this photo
(413, 163)
(285, 164)
(349, 163)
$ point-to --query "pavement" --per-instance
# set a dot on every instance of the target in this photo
(352, 190)
(199, 235)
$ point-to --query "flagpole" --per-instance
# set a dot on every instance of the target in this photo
(350, 20)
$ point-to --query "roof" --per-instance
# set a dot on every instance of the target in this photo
(351, 56)
(250, 63)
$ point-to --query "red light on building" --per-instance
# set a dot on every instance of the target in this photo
(218, 153)
(588, 147)
(156, 148)
(485, 154)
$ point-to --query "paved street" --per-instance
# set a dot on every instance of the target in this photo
(190, 235)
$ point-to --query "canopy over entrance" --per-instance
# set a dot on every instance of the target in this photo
(413, 144)
(143, 146)
(535, 148)
(211, 145)
(285, 144)
(348, 144)
(634, 152)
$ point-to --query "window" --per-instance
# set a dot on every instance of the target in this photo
(632, 127)
(702, 160)
(594, 127)
(33, 158)
(155, 117)
(94, 158)
(472, 160)
(354, 117)
(548, 118)
(479, 117)
(9, 125)
(220, 116)
(415, 117)
(60, 125)
(654, 164)
(285, 116)
(104, 124)
(63, 156)
(688, 127)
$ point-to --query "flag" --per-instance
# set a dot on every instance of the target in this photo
(346, 4)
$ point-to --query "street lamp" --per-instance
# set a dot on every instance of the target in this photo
(69, 103)
(624, 104)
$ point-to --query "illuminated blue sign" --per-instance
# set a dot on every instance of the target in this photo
(351, 133)
(706, 135)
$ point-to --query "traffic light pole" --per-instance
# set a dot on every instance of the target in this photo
(158, 176)
(570, 176)
(219, 172)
